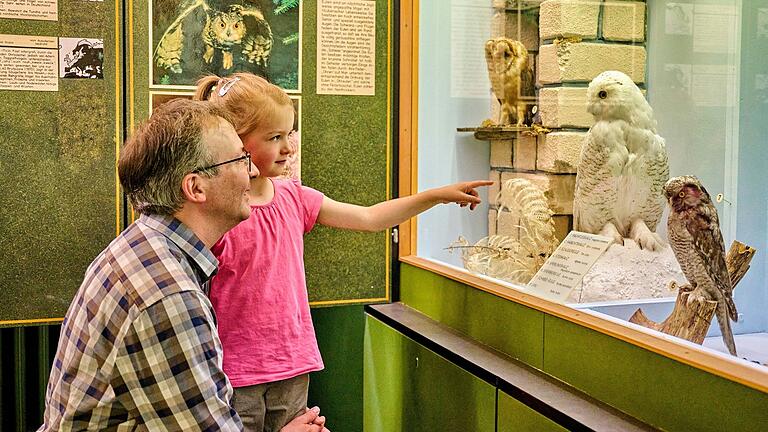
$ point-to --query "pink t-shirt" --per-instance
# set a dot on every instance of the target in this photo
(260, 292)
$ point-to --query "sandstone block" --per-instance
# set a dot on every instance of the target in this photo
(568, 18)
(524, 153)
(559, 152)
(493, 190)
(522, 26)
(491, 222)
(624, 21)
(562, 107)
(582, 61)
(501, 153)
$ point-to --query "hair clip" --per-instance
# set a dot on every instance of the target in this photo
(225, 88)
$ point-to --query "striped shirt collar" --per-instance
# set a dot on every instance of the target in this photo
(183, 237)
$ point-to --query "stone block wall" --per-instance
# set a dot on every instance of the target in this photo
(577, 40)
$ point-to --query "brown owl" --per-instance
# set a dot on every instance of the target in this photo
(511, 78)
(227, 26)
(694, 234)
(223, 30)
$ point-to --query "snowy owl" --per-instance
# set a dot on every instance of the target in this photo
(623, 165)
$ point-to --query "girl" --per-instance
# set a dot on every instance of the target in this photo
(259, 293)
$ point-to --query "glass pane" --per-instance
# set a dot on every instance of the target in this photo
(701, 67)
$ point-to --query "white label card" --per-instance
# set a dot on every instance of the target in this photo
(28, 63)
(565, 269)
(47, 10)
(346, 47)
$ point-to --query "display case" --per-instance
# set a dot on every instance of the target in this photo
(589, 116)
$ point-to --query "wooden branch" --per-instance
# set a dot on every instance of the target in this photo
(737, 261)
(693, 312)
(689, 319)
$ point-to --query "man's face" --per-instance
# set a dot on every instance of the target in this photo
(228, 198)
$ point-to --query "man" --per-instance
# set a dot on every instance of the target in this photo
(139, 348)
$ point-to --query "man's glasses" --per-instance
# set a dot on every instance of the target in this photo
(246, 157)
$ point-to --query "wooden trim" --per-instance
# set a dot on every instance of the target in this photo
(118, 119)
(685, 352)
(408, 108)
(31, 322)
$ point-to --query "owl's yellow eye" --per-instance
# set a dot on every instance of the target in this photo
(603, 94)
(681, 194)
(237, 25)
(221, 24)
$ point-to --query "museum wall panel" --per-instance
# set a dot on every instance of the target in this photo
(58, 147)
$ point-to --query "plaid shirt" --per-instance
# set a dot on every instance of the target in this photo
(139, 348)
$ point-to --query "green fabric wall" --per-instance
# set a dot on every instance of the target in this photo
(57, 172)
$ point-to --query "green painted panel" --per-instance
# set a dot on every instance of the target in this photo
(515, 416)
(506, 326)
(338, 390)
(653, 388)
(384, 378)
(410, 388)
(57, 172)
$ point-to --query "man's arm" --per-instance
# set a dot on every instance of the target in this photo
(169, 371)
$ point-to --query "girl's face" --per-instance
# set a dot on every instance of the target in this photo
(268, 144)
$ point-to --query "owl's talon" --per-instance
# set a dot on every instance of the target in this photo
(226, 60)
(208, 55)
(610, 231)
(644, 237)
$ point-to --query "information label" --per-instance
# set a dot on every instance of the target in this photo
(346, 47)
(565, 269)
(29, 63)
(46, 10)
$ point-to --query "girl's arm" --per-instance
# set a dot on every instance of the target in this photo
(393, 212)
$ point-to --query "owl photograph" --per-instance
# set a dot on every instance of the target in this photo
(623, 165)
(694, 235)
(511, 77)
(191, 38)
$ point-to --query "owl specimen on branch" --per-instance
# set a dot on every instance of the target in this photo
(695, 237)
(511, 78)
(623, 165)
(226, 26)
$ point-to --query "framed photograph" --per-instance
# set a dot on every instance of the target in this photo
(192, 38)
(81, 58)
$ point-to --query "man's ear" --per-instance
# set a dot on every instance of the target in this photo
(194, 186)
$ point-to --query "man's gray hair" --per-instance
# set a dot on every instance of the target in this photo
(163, 150)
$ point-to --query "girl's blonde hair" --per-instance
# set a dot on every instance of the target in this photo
(248, 99)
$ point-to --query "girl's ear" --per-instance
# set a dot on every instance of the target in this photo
(193, 187)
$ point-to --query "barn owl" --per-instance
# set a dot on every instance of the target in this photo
(695, 237)
(510, 76)
(623, 165)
